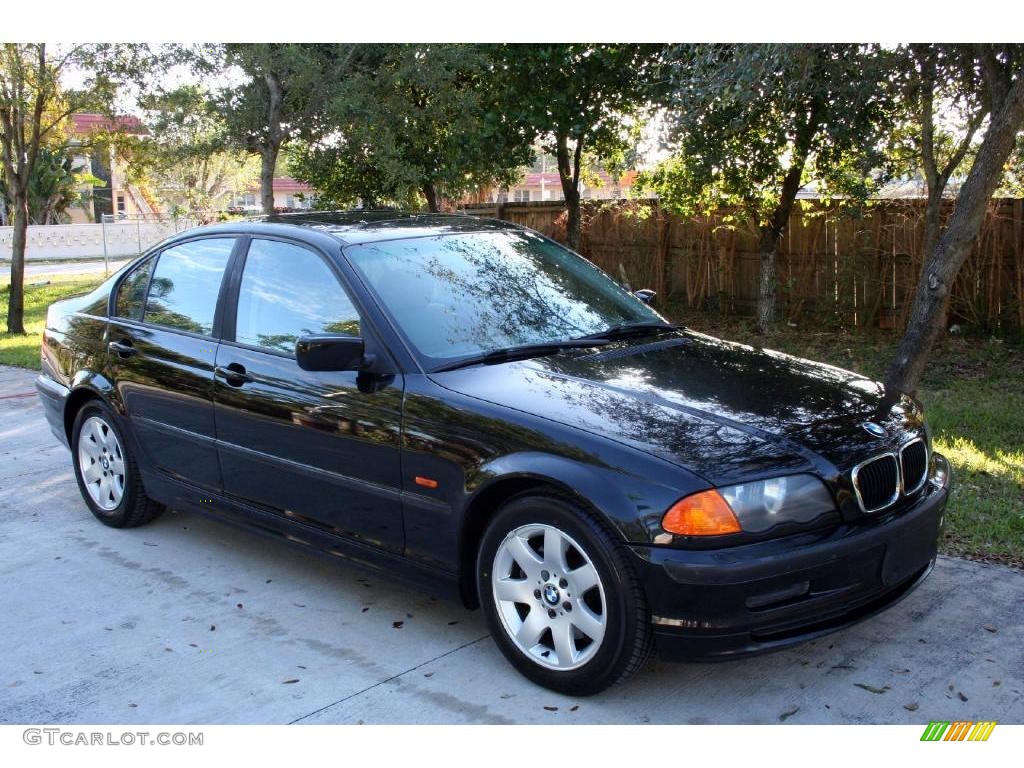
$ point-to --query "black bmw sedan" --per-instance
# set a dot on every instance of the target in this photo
(470, 407)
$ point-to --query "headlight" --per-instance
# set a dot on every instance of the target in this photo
(750, 507)
(763, 505)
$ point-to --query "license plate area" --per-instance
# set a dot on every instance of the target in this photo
(907, 554)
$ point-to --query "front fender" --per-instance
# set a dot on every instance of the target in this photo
(631, 503)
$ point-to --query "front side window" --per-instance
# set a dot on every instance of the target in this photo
(462, 295)
(287, 292)
(131, 295)
(186, 283)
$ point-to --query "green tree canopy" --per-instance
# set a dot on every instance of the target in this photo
(186, 160)
(413, 119)
(577, 99)
(34, 107)
(282, 96)
(752, 124)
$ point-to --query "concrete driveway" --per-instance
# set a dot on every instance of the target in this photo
(190, 621)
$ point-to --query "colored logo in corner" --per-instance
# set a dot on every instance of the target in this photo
(958, 730)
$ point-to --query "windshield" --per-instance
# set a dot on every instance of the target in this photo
(465, 295)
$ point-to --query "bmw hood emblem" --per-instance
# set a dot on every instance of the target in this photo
(875, 429)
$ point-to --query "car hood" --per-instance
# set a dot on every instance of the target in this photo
(726, 411)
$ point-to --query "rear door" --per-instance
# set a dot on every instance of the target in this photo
(162, 349)
(321, 448)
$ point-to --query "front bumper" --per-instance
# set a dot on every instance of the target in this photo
(760, 597)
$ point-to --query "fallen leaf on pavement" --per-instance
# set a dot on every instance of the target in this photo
(872, 688)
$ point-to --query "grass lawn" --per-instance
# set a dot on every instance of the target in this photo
(24, 350)
(973, 392)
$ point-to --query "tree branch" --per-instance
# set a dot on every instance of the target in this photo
(961, 151)
(926, 101)
(996, 78)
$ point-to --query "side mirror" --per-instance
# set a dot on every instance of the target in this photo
(331, 353)
(645, 295)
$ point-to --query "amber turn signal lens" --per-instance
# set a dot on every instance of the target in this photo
(702, 514)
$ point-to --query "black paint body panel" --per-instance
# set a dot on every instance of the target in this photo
(329, 461)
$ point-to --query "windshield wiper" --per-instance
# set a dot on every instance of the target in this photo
(522, 352)
(631, 329)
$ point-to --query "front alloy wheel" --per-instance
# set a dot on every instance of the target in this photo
(561, 598)
(549, 596)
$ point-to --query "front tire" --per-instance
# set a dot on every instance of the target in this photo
(108, 476)
(560, 598)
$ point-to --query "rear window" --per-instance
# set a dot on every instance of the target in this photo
(131, 296)
(186, 283)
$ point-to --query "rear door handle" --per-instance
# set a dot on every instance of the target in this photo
(123, 349)
(234, 374)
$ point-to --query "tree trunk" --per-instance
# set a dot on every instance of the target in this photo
(772, 233)
(275, 137)
(16, 305)
(768, 280)
(430, 192)
(932, 223)
(770, 237)
(569, 176)
(268, 158)
(574, 219)
(928, 312)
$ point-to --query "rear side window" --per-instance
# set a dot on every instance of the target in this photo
(287, 292)
(131, 296)
(186, 283)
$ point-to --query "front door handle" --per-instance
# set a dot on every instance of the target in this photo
(234, 374)
(122, 349)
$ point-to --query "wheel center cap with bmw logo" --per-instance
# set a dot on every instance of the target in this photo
(551, 594)
(875, 429)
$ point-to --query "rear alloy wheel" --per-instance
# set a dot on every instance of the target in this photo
(101, 463)
(107, 474)
(561, 601)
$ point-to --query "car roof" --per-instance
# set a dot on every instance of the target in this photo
(364, 226)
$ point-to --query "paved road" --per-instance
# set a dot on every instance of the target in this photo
(35, 271)
(187, 621)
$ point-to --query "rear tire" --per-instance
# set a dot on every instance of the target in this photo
(107, 474)
(561, 600)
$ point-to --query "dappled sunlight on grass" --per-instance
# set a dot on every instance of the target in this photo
(986, 512)
(965, 455)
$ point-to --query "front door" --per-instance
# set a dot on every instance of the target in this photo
(162, 349)
(321, 448)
